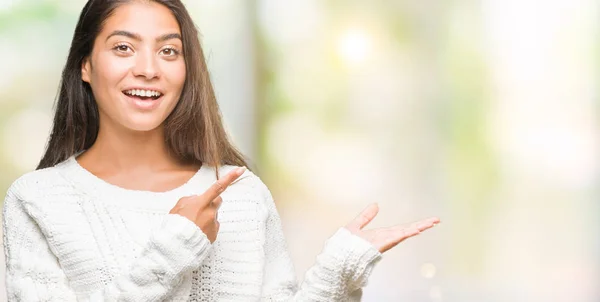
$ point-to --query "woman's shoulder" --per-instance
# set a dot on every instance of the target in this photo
(34, 182)
(247, 183)
(248, 191)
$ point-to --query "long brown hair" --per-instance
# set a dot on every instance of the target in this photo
(194, 131)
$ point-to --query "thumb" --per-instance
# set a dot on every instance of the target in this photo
(364, 217)
(180, 204)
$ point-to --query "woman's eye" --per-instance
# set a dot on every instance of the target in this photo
(170, 52)
(122, 48)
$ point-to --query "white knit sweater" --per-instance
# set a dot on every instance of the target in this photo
(70, 236)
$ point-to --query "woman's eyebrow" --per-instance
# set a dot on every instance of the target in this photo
(125, 34)
(134, 36)
(170, 36)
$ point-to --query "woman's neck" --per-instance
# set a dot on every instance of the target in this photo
(129, 151)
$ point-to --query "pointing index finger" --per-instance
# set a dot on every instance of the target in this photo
(220, 185)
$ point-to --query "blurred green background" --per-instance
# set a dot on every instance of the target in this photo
(484, 113)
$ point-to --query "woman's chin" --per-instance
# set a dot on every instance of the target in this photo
(144, 125)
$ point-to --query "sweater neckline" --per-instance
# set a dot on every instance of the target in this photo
(90, 180)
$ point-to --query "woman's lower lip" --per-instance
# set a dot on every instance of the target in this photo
(147, 104)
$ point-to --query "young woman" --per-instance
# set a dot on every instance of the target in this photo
(139, 178)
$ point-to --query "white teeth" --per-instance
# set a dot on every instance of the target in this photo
(143, 93)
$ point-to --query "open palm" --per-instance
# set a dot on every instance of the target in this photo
(386, 238)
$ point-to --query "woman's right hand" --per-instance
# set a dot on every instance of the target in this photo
(202, 209)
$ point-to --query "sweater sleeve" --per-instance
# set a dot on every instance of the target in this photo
(340, 271)
(33, 272)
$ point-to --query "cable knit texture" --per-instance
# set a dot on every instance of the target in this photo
(70, 236)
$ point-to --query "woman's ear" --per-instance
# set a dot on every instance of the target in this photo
(86, 69)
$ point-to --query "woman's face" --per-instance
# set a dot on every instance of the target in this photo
(136, 69)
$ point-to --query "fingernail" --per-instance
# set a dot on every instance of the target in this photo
(241, 170)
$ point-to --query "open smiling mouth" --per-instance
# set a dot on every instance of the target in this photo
(143, 95)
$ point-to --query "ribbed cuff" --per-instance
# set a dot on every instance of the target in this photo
(357, 255)
(182, 228)
(179, 245)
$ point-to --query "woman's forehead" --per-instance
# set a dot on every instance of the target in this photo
(145, 19)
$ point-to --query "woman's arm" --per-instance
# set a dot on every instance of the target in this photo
(340, 272)
(33, 272)
(344, 265)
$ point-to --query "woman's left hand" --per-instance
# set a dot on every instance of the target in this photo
(386, 238)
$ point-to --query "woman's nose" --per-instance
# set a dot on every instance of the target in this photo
(146, 65)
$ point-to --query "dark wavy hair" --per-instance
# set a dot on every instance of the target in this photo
(194, 131)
